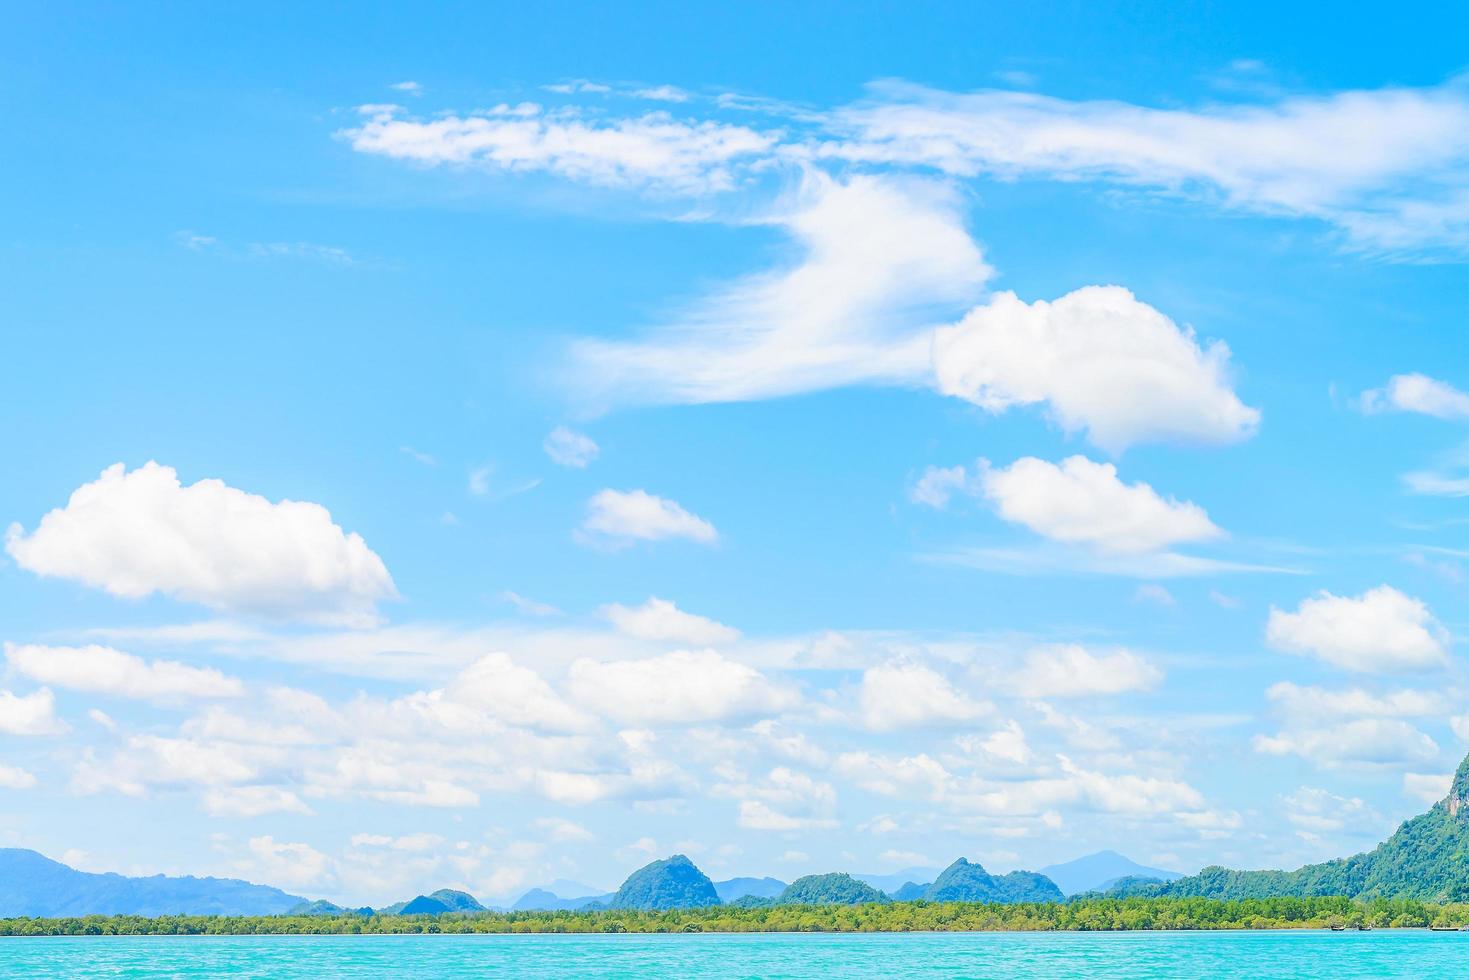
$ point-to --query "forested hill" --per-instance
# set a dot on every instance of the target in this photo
(1427, 859)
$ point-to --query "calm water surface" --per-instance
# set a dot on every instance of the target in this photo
(1052, 956)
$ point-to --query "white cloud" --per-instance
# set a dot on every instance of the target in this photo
(1154, 593)
(568, 448)
(252, 801)
(142, 532)
(653, 151)
(285, 864)
(662, 93)
(881, 260)
(755, 815)
(623, 516)
(1372, 741)
(1314, 811)
(531, 606)
(660, 619)
(517, 695)
(1071, 671)
(1427, 787)
(892, 775)
(32, 714)
(1299, 702)
(155, 760)
(411, 87)
(1083, 502)
(1007, 744)
(13, 777)
(564, 831)
(1382, 630)
(1385, 165)
(909, 695)
(1418, 393)
(1101, 361)
(676, 688)
(104, 670)
(1427, 483)
(938, 484)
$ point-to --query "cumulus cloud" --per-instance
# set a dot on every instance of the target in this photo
(1100, 361)
(517, 695)
(660, 619)
(909, 695)
(654, 151)
(881, 261)
(1072, 671)
(32, 714)
(103, 670)
(676, 688)
(1382, 630)
(1418, 393)
(568, 448)
(1368, 741)
(142, 532)
(620, 517)
(1083, 502)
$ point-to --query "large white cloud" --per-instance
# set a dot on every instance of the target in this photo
(661, 619)
(142, 532)
(104, 670)
(677, 688)
(622, 516)
(909, 695)
(1083, 502)
(881, 261)
(1100, 361)
(1380, 630)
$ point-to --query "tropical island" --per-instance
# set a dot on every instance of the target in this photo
(1417, 879)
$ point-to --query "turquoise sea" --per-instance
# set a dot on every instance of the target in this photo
(1052, 956)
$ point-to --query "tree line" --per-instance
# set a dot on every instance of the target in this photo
(1087, 915)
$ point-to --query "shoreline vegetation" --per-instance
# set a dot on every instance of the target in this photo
(1082, 915)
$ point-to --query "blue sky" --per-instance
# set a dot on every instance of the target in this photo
(845, 437)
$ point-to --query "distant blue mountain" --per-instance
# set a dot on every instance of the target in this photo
(32, 884)
(545, 900)
(1097, 872)
(733, 889)
(890, 883)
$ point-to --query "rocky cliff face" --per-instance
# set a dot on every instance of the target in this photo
(1458, 798)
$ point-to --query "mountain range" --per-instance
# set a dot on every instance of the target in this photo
(34, 885)
(1100, 871)
(1427, 858)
